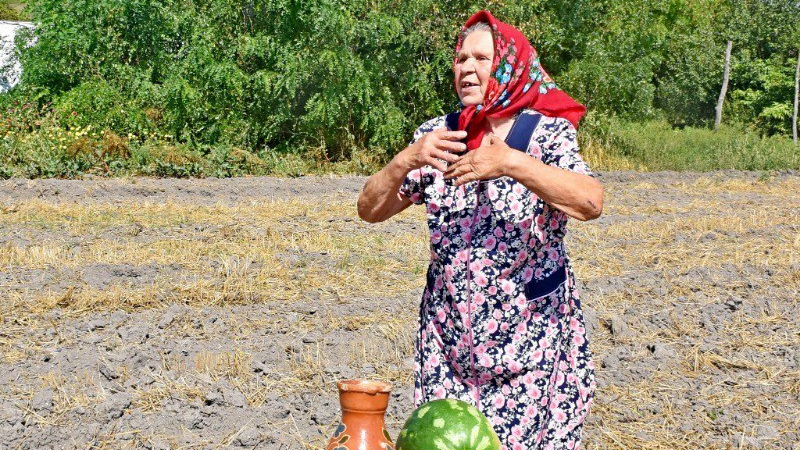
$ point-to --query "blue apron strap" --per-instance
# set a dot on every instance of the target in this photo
(452, 120)
(452, 123)
(520, 135)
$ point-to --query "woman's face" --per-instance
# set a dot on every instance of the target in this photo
(473, 67)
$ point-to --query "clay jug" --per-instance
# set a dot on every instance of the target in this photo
(362, 427)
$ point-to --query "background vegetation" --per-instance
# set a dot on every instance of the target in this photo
(12, 10)
(228, 87)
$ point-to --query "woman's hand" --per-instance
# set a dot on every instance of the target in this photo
(434, 147)
(380, 199)
(483, 163)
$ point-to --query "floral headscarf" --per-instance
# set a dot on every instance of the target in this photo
(518, 81)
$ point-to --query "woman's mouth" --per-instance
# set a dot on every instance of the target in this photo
(467, 85)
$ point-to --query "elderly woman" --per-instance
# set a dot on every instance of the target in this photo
(500, 321)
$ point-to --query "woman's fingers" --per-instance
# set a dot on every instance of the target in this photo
(457, 168)
(451, 146)
(449, 140)
(453, 166)
(457, 135)
(447, 156)
(438, 164)
(436, 148)
(464, 170)
(466, 178)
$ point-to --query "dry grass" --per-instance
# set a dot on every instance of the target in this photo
(600, 158)
(259, 253)
(281, 252)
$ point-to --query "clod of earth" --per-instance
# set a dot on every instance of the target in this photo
(226, 321)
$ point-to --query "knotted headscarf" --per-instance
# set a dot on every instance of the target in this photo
(517, 81)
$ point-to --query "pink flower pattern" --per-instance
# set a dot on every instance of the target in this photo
(524, 362)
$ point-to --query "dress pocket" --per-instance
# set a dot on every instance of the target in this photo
(542, 287)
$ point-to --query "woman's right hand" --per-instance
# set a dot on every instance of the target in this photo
(380, 199)
(435, 148)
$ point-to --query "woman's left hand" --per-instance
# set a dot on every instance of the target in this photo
(483, 163)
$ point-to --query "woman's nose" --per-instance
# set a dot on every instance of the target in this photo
(469, 65)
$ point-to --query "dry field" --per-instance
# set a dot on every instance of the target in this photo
(209, 313)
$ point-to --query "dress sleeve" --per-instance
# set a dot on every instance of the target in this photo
(413, 185)
(561, 149)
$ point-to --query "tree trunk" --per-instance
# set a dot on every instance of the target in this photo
(796, 97)
(724, 90)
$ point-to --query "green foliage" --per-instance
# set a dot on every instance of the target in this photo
(34, 143)
(249, 74)
(254, 86)
(658, 146)
(96, 103)
(11, 11)
(689, 76)
(767, 98)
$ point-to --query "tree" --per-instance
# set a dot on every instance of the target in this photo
(725, 77)
(796, 98)
(734, 15)
(793, 41)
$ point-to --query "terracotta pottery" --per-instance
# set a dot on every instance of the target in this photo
(363, 427)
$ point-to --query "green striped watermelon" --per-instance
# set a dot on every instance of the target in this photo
(447, 424)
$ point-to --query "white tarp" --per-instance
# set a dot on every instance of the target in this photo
(10, 69)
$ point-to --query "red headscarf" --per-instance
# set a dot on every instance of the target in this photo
(518, 81)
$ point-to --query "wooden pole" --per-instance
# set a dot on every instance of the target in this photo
(724, 90)
(796, 97)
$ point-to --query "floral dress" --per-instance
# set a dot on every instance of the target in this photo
(500, 321)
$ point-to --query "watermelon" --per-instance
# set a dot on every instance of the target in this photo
(447, 424)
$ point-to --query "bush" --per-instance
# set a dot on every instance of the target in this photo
(657, 145)
(96, 103)
(287, 86)
(9, 12)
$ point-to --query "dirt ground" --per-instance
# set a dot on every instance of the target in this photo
(215, 313)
